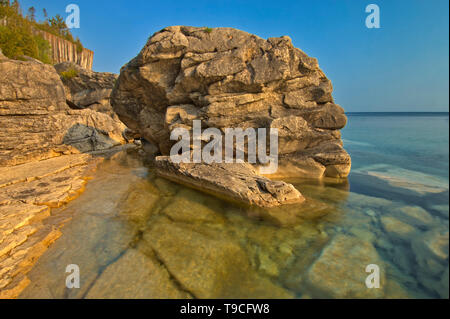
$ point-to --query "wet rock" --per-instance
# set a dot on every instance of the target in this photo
(443, 210)
(267, 265)
(363, 234)
(208, 264)
(145, 279)
(339, 272)
(27, 194)
(396, 228)
(185, 208)
(404, 181)
(57, 175)
(238, 182)
(431, 250)
(416, 215)
(432, 245)
(139, 203)
(230, 78)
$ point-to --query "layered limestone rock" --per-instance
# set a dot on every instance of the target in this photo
(229, 78)
(28, 192)
(38, 124)
(41, 167)
(238, 182)
(87, 89)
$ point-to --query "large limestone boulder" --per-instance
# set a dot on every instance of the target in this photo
(229, 78)
(38, 124)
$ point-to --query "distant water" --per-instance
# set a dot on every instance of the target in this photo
(393, 211)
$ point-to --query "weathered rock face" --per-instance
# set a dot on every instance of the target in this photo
(229, 78)
(236, 181)
(88, 89)
(37, 123)
(37, 127)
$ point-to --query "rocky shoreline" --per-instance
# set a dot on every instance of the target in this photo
(59, 122)
(48, 151)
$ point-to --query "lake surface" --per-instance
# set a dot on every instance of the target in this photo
(134, 235)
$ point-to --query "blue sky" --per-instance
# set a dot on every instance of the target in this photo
(403, 66)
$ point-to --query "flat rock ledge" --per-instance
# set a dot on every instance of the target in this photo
(228, 78)
(28, 223)
(28, 192)
(48, 151)
(237, 182)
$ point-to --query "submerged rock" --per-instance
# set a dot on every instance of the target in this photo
(416, 216)
(432, 251)
(396, 228)
(339, 272)
(229, 78)
(145, 278)
(208, 264)
(238, 182)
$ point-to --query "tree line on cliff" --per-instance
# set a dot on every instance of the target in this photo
(17, 36)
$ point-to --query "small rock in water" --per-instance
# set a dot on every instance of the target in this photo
(416, 215)
(339, 272)
(396, 228)
(443, 210)
(370, 212)
(363, 234)
(267, 265)
(432, 250)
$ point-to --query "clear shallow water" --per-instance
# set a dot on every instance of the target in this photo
(134, 235)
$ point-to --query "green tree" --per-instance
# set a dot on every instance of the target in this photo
(58, 24)
(16, 6)
(18, 37)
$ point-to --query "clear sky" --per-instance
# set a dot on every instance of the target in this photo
(403, 66)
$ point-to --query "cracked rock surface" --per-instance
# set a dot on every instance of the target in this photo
(42, 165)
(38, 124)
(229, 78)
(236, 181)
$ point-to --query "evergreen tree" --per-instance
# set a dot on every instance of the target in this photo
(31, 14)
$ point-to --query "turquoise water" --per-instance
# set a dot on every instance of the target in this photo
(135, 235)
(413, 145)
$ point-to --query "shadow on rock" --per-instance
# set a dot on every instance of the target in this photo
(88, 139)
